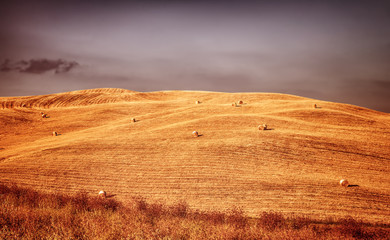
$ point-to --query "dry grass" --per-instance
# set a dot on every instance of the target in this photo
(293, 168)
(28, 214)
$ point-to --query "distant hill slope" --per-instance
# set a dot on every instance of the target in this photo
(294, 167)
(68, 99)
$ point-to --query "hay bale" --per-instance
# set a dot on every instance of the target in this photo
(240, 102)
(262, 127)
(197, 102)
(315, 105)
(133, 120)
(55, 134)
(344, 183)
(44, 115)
(102, 194)
(195, 134)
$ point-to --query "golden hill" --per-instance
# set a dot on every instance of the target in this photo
(294, 167)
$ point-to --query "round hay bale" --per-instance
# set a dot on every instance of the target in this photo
(55, 134)
(262, 127)
(102, 194)
(240, 102)
(195, 134)
(133, 120)
(344, 183)
(315, 105)
(197, 102)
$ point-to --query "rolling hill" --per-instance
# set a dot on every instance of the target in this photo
(293, 168)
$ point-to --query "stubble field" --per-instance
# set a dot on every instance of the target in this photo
(292, 168)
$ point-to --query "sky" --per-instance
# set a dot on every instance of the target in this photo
(329, 50)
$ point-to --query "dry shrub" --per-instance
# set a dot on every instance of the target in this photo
(16, 191)
(23, 196)
(4, 189)
(151, 211)
(156, 209)
(236, 218)
(216, 217)
(213, 217)
(24, 222)
(140, 204)
(80, 201)
(350, 227)
(98, 203)
(76, 228)
(61, 200)
(27, 214)
(300, 222)
(271, 221)
(30, 198)
(180, 209)
(54, 201)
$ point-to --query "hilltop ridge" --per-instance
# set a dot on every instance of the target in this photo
(111, 95)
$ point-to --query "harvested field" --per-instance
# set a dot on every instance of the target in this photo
(294, 168)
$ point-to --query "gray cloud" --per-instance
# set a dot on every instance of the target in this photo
(38, 66)
(330, 50)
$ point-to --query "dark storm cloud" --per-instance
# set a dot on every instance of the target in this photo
(332, 50)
